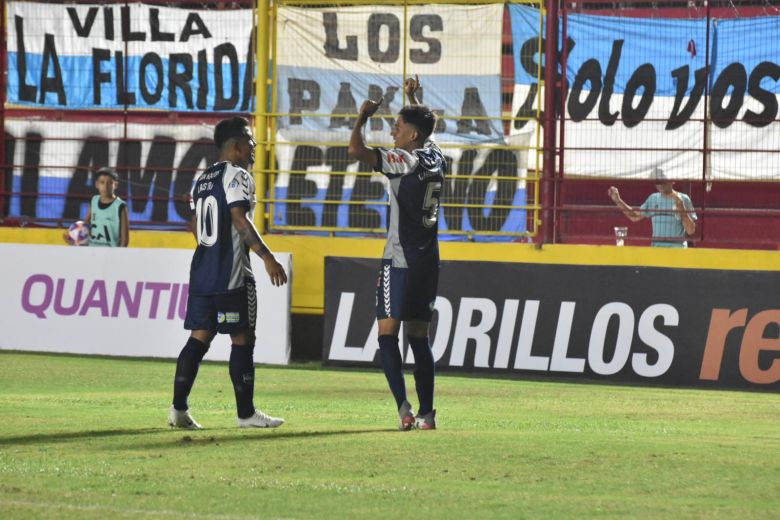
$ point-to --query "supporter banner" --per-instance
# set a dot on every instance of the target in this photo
(156, 167)
(713, 329)
(637, 84)
(70, 56)
(330, 60)
(317, 186)
(120, 302)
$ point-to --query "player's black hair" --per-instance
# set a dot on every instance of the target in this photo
(421, 117)
(105, 171)
(230, 128)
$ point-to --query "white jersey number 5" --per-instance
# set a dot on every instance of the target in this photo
(431, 204)
(207, 218)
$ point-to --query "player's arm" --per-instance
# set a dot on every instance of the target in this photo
(632, 214)
(411, 85)
(357, 146)
(124, 227)
(248, 233)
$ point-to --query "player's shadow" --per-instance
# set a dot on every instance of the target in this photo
(217, 436)
(43, 438)
(175, 437)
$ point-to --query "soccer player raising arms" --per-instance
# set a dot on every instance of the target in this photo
(222, 296)
(408, 278)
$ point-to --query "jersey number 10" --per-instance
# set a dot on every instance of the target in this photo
(207, 220)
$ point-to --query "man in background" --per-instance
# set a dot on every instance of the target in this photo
(670, 212)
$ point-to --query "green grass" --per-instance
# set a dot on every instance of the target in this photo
(86, 438)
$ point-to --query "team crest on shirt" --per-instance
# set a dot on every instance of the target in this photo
(233, 184)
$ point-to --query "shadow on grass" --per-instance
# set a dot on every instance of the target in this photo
(216, 436)
(40, 438)
(182, 437)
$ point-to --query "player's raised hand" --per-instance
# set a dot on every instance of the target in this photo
(275, 271)
(614, 194)
(369, 108)
(411, 85)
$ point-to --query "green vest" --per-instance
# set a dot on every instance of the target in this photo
(105, 224)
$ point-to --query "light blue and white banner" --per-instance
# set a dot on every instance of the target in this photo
(80, 56)
(636, 93)
(330, 60)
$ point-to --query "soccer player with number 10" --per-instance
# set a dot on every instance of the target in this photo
(222, 296)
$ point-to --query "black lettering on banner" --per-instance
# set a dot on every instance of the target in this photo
(99, 77)
(128, 165)
(30, 172)
(473, 107)
(345, 104)
(455, 189)
(180, 80)
(304, 95)
(300, 188)
(82, 30)
(383, 112)
(225, 50)
(733, 79)
(93, 155)
(375, 23)
(338, 159)
(767, 116)
(202, 151)
(154, 24)
(590, 71)
(679, 118)
(51, 84)
(607, 118)
(26, 92)
(128, 35)
(249, 70)
(203, 83)
(527, 109)
(366, 189)
(108, 23)
(417, 25)
(498, 163)
(644, 78)
(194, 25)
(330, 22)
(123, 97)
(8, 171)
(151, 97)
(157, 175)
(529, 54)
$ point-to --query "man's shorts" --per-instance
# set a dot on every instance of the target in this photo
(227, 313)
(406, 294)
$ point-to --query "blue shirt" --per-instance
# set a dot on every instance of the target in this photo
(668, 230)
(221, 261)
(415, 188)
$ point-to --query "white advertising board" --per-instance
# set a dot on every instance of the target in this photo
(120, 302)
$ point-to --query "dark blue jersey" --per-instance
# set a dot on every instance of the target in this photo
(221, 261)
(415, 188)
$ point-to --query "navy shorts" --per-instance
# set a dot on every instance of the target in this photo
(406, 294)
(227, 313)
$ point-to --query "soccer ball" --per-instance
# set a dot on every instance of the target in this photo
(78, 234)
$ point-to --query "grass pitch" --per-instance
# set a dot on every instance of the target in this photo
(86, 438)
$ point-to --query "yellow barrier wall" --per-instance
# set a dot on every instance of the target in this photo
(309, 254)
